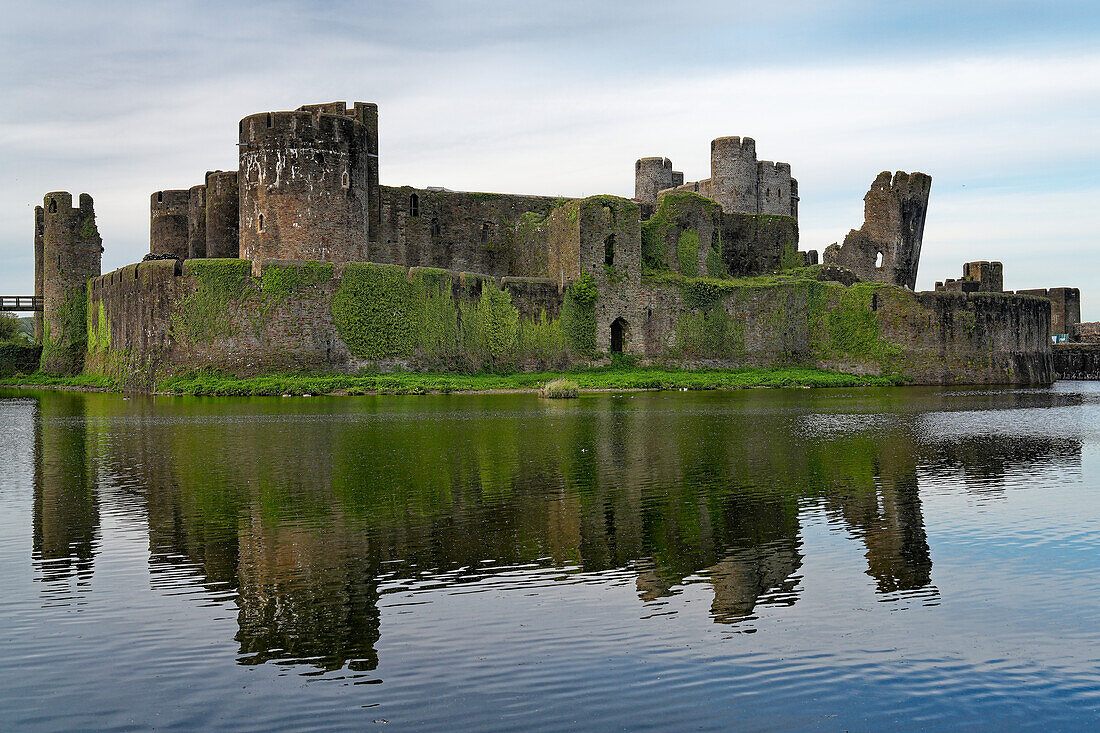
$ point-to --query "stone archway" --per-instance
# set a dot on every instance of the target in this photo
(620, 331)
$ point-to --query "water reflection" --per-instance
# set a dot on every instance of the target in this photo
(307, 513)
(66, 507)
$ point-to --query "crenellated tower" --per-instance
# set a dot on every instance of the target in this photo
(650, 176)
(71, 255)
(168, 225)
(733, 174)
(309, 183)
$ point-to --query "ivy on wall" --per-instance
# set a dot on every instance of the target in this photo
(63, 353)
(383, 312)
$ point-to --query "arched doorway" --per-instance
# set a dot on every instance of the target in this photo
(619, 331)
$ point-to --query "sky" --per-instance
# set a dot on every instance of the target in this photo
(998, 101)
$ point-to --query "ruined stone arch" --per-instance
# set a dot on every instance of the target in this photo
(620, 335)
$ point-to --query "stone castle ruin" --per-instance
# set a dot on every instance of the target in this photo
(302, 260)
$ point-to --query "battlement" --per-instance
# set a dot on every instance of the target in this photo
(734, 145)
(299, 125)
(770, 168)
(61, 202)
(653, 162)
(169, 202)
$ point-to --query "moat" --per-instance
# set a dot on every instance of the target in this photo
(855, 558)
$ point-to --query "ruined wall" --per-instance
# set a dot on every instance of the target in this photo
(168, 225)
(305, 188)
(196, 222)
(1065, 308)
(893, 229)
(691, 235)
(222, 197)
(71, 252)
(978, 277)
(464, 231)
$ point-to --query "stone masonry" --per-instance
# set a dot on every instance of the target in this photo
(887, 247)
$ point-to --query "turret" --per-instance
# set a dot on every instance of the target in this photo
(733, 174)
(71, 255)
(309, 183)
(650, 176)
(168, 214)
(774, 188)
(223, 197)
(196, 222)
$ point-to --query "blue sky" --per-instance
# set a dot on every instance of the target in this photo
(999, 102)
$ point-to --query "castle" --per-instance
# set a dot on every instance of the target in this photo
(302, 260)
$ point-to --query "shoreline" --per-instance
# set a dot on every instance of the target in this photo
(599, 380)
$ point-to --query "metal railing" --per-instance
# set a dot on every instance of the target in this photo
(20, 303)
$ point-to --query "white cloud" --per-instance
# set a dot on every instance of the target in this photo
(1008, 139)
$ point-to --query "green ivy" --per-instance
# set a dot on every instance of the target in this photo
(65, 353)
(377, 311)
(99, 328)
(578, 316)
(687, 253)
(206, 314)
(280, 280)
(489, 326)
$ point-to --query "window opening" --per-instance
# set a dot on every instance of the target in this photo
(414, 205)
(609, 250)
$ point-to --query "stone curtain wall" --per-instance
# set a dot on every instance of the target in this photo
(154, 319)
(456, 230)
(1077, 361)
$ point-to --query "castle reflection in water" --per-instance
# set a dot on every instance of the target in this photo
(305, 513)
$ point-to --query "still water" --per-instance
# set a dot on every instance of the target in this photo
(755, 560)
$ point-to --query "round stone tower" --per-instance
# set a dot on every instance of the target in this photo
(733, 174)
(223, 198)
(168, 212)
(196, 222)
(650, 176)
(306, 188)
(71, 253)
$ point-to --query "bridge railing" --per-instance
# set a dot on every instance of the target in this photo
(20, 303)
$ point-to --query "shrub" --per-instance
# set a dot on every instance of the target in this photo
(559, 389)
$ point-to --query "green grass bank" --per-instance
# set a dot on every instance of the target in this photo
(605, 378)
